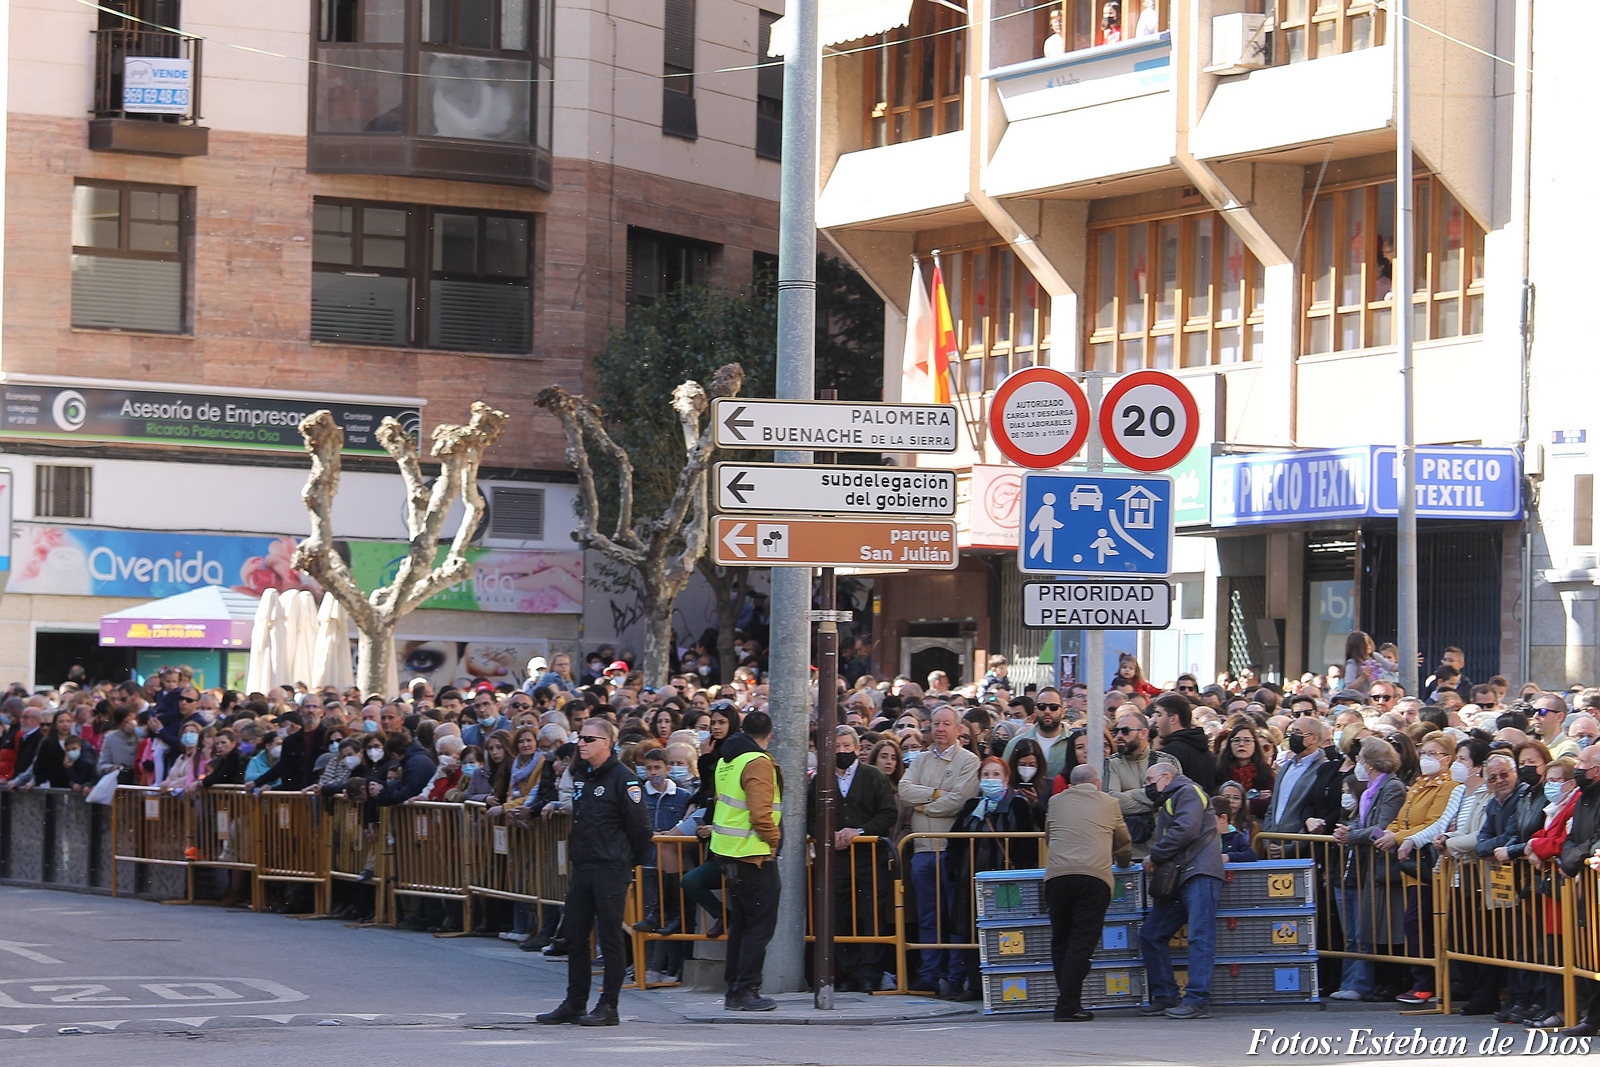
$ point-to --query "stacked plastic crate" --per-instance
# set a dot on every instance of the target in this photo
(1014, 944)
(1266, 940)
(1266, 935)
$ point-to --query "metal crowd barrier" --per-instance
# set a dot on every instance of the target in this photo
(290, 849)
(1512, 916)
(863, 907)
(430, 852)
(353, 849)
(1469, 912)
(1362, 896)
(149, 827)
(956, 930)
(675, 857)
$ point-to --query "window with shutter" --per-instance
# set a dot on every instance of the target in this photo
(400, 274)
(678, 116)
(129, 247)
(769, 92)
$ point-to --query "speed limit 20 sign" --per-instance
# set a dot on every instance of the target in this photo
(1148, 421)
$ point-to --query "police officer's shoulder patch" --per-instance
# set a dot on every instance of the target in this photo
(635, 794)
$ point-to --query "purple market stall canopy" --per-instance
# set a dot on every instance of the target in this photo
(212, 616)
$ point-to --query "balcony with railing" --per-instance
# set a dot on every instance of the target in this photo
(895, 141)
(1085, 89)
(1313, 72)
(147, 93)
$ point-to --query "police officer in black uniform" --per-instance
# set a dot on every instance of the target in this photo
(610, 837)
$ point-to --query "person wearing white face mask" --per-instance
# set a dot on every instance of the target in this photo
(185, 771)
(1373, 912)
(335, 775)
(447, 773)
(1431, 804)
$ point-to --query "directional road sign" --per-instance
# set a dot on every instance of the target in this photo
(776, 541)
(1149, 420)
(841, 490)
(834, 426)
(1096, 524)
(1097, 605)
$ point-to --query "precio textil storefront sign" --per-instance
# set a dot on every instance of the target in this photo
(1453, 482)
(186, 417)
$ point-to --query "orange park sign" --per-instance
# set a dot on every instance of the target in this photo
(778, 541)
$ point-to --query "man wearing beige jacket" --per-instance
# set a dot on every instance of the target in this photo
(935, 787)
(1084, 834)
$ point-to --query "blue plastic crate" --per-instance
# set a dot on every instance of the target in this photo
(1013, 990)
(1253, 980)
(1013, 942)
(1269, 884)
(1010, 894)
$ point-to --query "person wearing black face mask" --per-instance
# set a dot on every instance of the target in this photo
(1185, 835)
(864, 807)
(1306, 797)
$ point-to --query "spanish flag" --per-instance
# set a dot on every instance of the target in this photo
(944, 340)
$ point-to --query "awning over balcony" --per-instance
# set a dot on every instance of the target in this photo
(845, 20)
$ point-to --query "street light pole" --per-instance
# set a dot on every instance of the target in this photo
(1402, 272)
(789, 666)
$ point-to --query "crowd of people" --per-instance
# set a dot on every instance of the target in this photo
(1193, 775)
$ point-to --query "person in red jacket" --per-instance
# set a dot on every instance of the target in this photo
(1544, 848)
(1128, 669)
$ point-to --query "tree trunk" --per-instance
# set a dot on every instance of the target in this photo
(657, 606)
(375, 668)
(728, 585)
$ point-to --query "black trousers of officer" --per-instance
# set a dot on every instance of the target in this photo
(595, 894)
(752, 911)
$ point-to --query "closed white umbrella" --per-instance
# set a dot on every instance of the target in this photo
(260, 677)
(333, 666)
(301, 612)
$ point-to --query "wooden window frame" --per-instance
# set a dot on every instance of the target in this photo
(1313, 29)
(991, 348)
(418, 270)
(1437, 210)
(1184, 324)
(933, 29)
(124, 250)
(1078, 12)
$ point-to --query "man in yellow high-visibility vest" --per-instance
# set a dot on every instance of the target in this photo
(745, 835)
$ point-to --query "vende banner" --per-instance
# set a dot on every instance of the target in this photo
(186, 417)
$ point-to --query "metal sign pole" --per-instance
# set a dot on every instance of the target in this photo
(789, 666)
(1094, 641)
(826, 784)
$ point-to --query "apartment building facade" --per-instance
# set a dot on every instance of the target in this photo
(219, 217)
(1207, 187)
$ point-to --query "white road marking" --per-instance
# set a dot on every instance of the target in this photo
(132, 992)
(23, 949)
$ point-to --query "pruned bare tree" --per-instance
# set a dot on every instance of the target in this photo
(459, 451)
(664, 548)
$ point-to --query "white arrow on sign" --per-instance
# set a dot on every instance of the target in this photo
(893, 491)
(23, 949)
(836, 425)
(734, 545)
